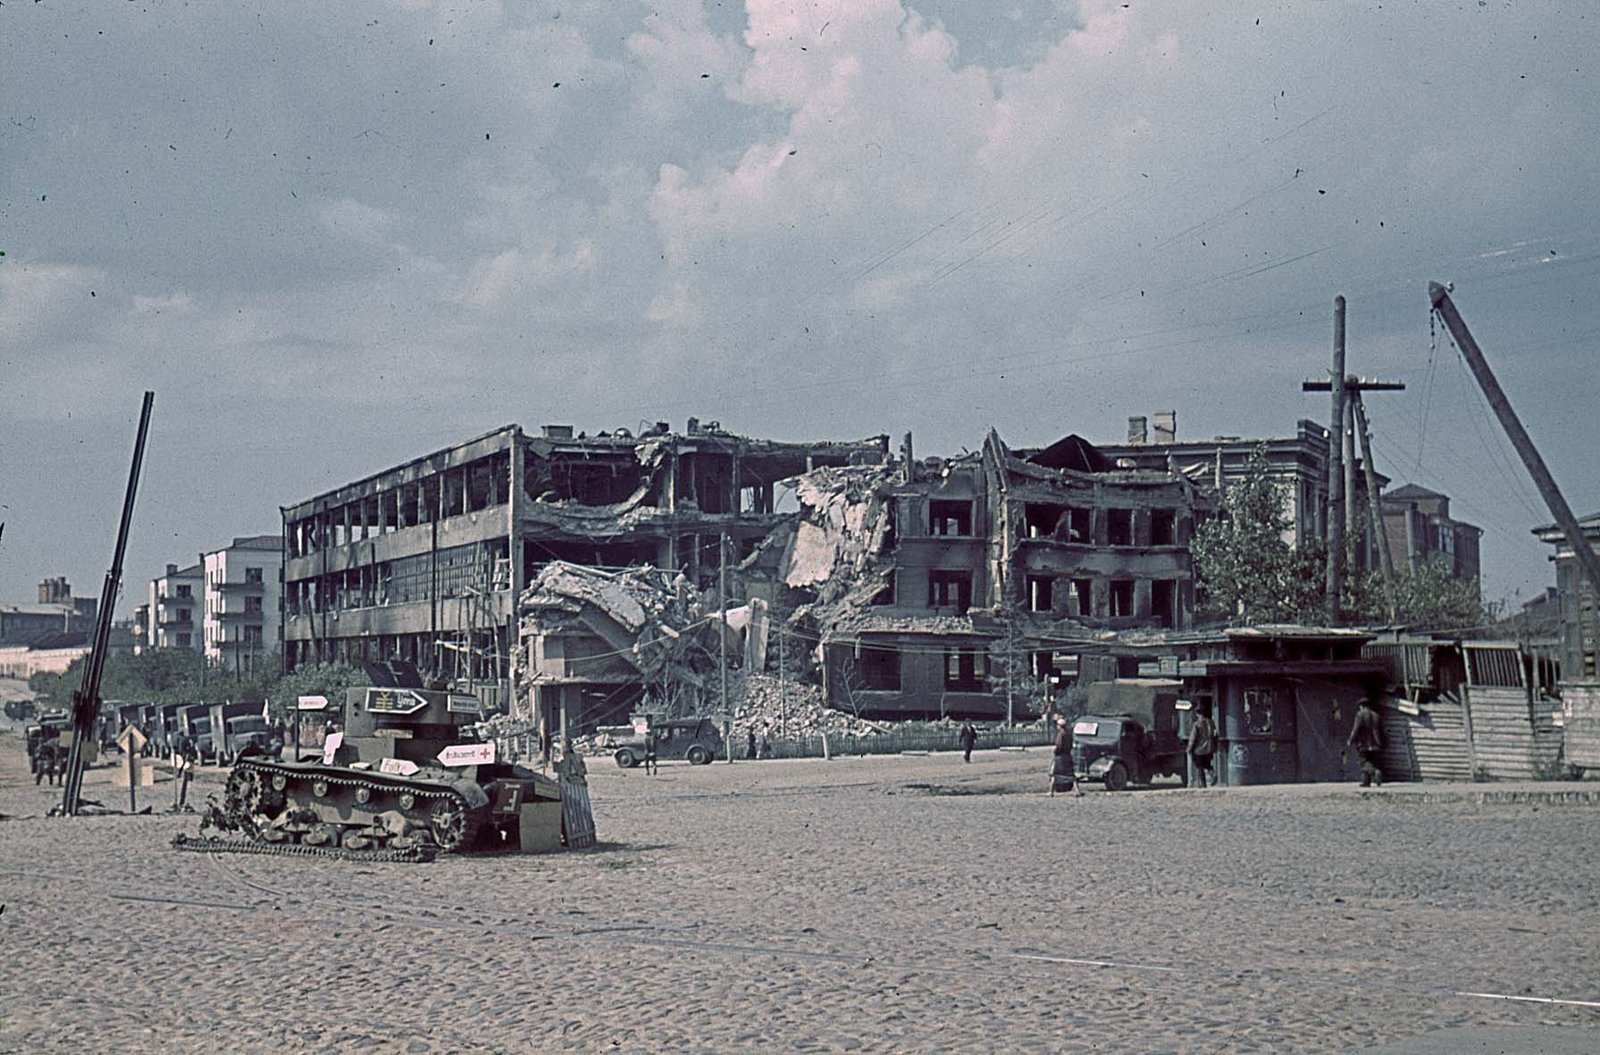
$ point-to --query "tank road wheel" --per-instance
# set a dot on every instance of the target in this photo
(248, 796)
(626, 759)
(699, 756)
(1117, 777)
(448, 824)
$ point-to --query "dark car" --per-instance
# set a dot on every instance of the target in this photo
(695, 740)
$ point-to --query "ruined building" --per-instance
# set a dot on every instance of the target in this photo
(423, 561)
(955, 588)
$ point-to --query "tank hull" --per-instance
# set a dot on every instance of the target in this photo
(332, 805)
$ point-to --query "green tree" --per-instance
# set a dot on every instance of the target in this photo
(1426, 597)
(1245, 567)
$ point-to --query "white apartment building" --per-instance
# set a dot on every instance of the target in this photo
(243, 591)
(174, 610)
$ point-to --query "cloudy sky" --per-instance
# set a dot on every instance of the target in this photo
(332, 237)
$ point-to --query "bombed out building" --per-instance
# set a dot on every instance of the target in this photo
(960, 587)
(422, 562)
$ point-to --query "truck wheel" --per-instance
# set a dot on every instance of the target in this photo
(625, 758)
(1117, 777)
(699, 756)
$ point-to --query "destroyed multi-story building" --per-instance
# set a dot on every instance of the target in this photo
(424, 561)
(958, 587)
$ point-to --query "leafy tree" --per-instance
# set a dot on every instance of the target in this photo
(1246, 570)
(1244, 565)
(1425, 597)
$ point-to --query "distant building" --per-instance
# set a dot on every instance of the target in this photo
(56, 612)
(243, 600)
(1420, 529)
(1579, 621)
(173, 611)
(1298, 464)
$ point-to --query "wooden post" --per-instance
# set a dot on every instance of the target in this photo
(722, 640)
(1373, 513)
(1336, 497)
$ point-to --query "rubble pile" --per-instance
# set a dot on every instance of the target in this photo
(792, 711)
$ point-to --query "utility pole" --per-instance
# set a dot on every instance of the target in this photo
(783, 684)
(722, 640)
(1373, 513)
(1519, 437)
(1347, 413)
(1336, 497)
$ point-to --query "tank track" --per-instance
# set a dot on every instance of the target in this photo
(211, 844)
(238, 816)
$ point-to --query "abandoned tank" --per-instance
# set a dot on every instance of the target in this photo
(400, 774)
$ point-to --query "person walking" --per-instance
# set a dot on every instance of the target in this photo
(750, 743)
(1202, 744)
(1061, 771)
(650, 751)
(1366, 736)
(969, 739)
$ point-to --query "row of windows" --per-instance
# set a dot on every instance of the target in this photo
(457, 571)
(466, 489)
(1065, 523)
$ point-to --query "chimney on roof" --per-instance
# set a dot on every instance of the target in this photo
(1137, 433)
(693, 428)
(55, 591)
(557, 432)
(172, 569)
(1167, 426)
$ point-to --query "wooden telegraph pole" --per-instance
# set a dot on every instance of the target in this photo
(1336, 498)
(1349, 423)
(722, 640)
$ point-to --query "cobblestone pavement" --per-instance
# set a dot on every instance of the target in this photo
(881, 905)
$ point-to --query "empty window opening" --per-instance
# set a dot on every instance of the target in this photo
(879, 668)
(1163, 527)
(1082, 597)
(1163, 602)
(1121, 598)
(1039, 591)
(1040, 519)
(963, 669)
(950, 518)
(1080, 525)
(1119, 527)
(950, 589)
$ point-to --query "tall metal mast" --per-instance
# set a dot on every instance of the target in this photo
(86, 701)
(1546, 483)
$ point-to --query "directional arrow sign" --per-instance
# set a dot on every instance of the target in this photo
(398, 767)
(467, 755)
(131, 740)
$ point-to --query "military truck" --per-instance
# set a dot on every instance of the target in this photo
(1129, 734)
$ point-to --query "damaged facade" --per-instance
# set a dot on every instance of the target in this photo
(423, 562)
(955, 588)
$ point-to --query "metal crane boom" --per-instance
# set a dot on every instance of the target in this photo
(1546, 483)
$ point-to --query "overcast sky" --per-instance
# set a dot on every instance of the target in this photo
(336, 236)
